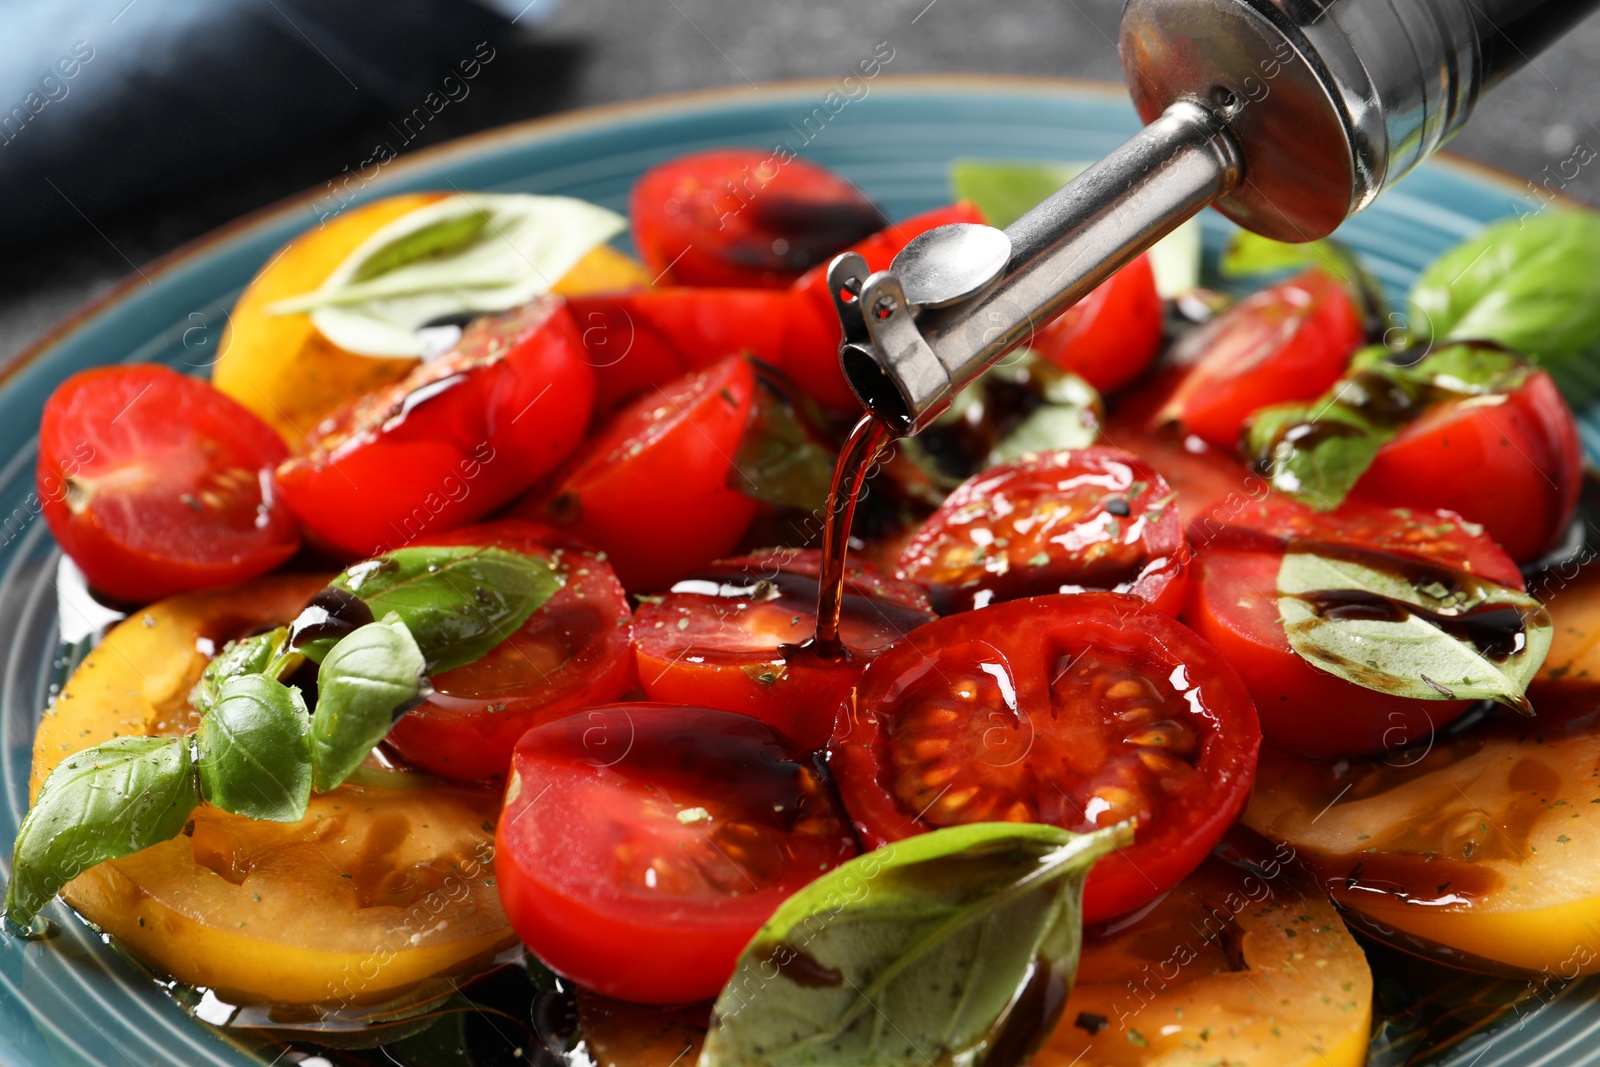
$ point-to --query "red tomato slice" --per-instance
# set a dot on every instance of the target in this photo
(1060, 522)
(732, 637)
(1080, 711)
(572, 653)
(744, 217)
(155, 483)
(1110, 336)
(1289, 342)
(811, 356)
(1233, 604)
(452, 441)
(642, 845)
(637, 340)
(651, 489)
(1512, 462)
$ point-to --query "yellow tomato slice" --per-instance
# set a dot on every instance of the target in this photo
(378, 894)
(283, 369)
(1480, 848)
(1232, 966)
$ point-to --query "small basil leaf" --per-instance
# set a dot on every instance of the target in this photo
(912, 954)
(1315, 453)
(1068, 416)
(261, 654)
(368, 679)
(1409, 631)
(253, 750)
(1531, 284)
(779, 461)
(1006, 191)
(458, 601)
(464, 254)
(108, 801)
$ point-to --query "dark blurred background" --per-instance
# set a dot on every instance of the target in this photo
(128, 127)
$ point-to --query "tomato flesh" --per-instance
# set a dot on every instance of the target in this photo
(1078, 710)
(1289, 342)
(733, 637)
(811, 356)
(1110, 336)
(744, 217)
(156, 483)
(572, 652)
(454, 440)
(642, 845)
(639, 340)
(1068, 521)
(1511, 462)
(651, 488)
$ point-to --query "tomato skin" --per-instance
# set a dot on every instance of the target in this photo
(156, 483)
(572, 653)
(1110, 336)
(637, 340)
(609, 885)
(651, 488)
(1035, 643)
(999, 536)
(448, 444)
(1233, 605)
(744, 217)
(743, 654)
(1287, 342)
(811, 356)
(1516, 467)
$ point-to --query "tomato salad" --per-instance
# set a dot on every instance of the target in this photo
(475, 605)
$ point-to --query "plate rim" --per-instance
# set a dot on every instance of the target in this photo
(706, 99)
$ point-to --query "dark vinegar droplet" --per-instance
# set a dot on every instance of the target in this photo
(330, 615)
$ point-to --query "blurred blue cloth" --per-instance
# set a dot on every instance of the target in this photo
(107, 102)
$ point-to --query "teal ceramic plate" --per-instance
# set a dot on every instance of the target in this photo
(73, 1000)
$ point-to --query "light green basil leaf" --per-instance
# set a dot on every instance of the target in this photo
(253, 750)
(371, 677)
(912, 954)
(1068, 417)
(1531, 284)
(1455, 370)
(458, 601)
(1424, 635)
(108, 801)
(1004, 192)
(261, 654)
(464, 254)
(779, 461)
(1314, 453)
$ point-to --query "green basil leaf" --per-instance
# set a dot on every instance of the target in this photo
(912, 954)
(1531, 284)
(464, 254)
(1069, 416)
(779, 461)
(253, 750)
(1314, 453)
(108, 801)
(371, 677)
(1005, 191)
(261, 654)
(458, 601)
(1411, 632)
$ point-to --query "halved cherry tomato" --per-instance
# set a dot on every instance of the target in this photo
(744, 217)
(642, 845)
(1081, 711)
(651, 489)
(1289, 342)
(156, 483)
(1059, 522)
(811, 356)
(647, 338)
(1110, 336)
(571, 653)
(1511, 461)
(732, 637)
(451, 442)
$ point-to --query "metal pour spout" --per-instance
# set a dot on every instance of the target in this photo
(1288, 115)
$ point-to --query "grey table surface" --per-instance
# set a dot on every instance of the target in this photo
(597, 51)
